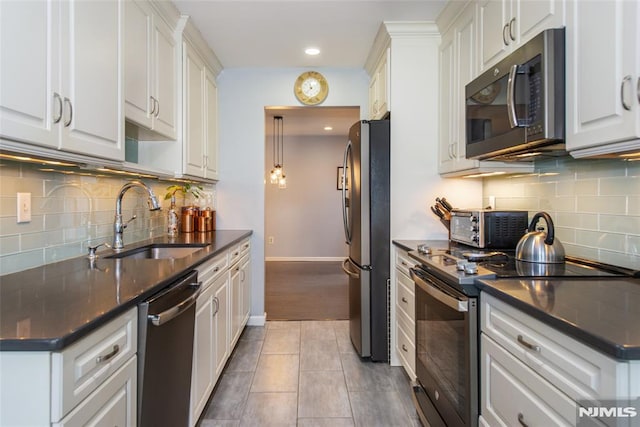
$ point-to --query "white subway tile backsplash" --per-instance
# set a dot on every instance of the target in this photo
(69, 212)
(595, 205)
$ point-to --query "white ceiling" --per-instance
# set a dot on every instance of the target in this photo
(274, 34)
(267, 33)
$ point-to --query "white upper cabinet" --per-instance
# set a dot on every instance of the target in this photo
(30, 102)
(211, 126)
(505, 24)
(56, 91)
(193, 115)
(458, 66)
(603, 77)
(150, 70)
(379, 87)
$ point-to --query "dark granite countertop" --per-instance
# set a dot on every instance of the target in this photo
(48, 308)
(603, 314)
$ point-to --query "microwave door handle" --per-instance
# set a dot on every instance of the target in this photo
(511, 96)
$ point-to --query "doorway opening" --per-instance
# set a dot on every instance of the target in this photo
(304, 237)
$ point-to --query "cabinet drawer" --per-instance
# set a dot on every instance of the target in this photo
(213, 268)
(405, 295)
(112, 404)
(239, 251)
(404, 262)
(79, 369)
(574, 368)
(406, 350)
(512, 394)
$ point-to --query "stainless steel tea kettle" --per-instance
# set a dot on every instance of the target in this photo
(539, 246)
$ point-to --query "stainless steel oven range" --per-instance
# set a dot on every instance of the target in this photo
(446, 300)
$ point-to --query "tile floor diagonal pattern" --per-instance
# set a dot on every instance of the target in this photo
(307, 373)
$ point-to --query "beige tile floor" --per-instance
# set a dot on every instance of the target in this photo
(307, 374)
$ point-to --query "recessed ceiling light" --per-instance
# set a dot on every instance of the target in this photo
(312, 51)
(328, 128)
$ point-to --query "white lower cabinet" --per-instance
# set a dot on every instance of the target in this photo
(91, 382)
(533, 374)
(405, 313)
(220, 318)
(112, 404)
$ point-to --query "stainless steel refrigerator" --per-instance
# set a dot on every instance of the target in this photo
(365, 209)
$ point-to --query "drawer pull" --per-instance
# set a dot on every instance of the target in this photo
(116, 349)
(404, 300)
(405, 349)
(521, 420)
(246, 245)
(217, 301)
(236, 253)
(404, 263)
(530, 346)
(216, 269)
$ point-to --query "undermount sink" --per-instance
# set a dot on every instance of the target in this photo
(160, 251)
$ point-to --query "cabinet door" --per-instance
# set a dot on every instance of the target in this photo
(137, 74)
(165, 79)
(447, 101)
(235, 303)
(30, 102)
(112, 404)
(193, 114)
(245, 278)
(221, 325)
(202, 373)
(494, 41)
(373, 96)
(465, 71)
(602, 72)
(535, 16)
(511, 394)
(211, 126)
(91, 58)
(382, 89)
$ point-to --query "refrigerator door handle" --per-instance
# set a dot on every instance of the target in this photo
(346, 269)
(345, 218)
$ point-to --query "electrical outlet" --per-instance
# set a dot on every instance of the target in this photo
(270, 240)
(492, 202)
(23, 207)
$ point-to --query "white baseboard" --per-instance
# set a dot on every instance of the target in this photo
(257, 320)
(321, 259)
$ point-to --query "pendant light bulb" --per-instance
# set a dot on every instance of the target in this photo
(282, 183)
(273, 178)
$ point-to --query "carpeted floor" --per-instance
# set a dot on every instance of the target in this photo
(305, 290)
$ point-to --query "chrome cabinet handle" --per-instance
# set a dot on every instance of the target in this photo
(116, 349)
(521, 420)
(157, 107)
(246, 245)
(216, 269)
(625, 80)
(236, 253)
(404, 348)
(67, 101)
(504, 37)
(528, 345)
(404, 300)
(243, 275)
(152, 100)
(511, 26)
(56, 97)
(638, 89)
(217, 301)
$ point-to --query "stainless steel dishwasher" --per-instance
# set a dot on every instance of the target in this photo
(165, 354)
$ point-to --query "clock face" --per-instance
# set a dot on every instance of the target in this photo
(311, 88)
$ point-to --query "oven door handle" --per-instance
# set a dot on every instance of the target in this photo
(448, 300)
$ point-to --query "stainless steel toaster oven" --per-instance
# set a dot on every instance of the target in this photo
(485, 228)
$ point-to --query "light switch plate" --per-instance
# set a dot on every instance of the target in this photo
(24, 207)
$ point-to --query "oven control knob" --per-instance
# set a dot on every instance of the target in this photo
(475, 228)
(471, 268)
(473, 218)
(460, 264)
(475, 239)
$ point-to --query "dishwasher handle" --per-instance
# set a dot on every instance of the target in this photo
(170, 313)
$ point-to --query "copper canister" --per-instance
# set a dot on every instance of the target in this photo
(201, 223)
(208, 215)
(187, 224)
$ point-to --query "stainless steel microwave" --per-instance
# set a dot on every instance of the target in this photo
(515, 111)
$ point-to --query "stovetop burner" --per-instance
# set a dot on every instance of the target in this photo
(462, 266)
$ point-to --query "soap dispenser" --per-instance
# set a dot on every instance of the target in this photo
(172, 218)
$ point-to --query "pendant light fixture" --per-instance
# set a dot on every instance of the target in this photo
(277, 175)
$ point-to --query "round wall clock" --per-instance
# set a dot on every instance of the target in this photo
(311, 88)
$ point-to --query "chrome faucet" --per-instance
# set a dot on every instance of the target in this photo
(118, 225)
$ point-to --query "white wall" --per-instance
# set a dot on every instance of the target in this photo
(305, 219)
(243, 95)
